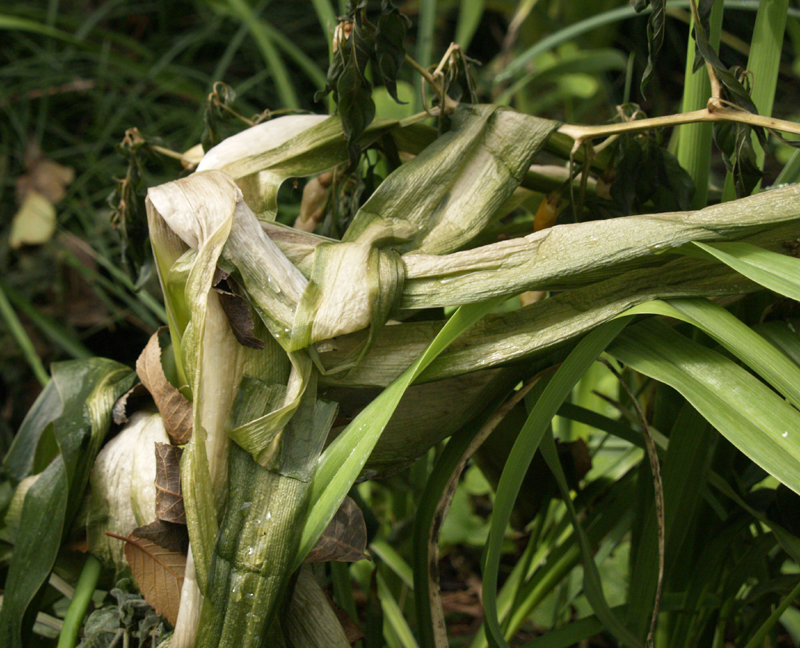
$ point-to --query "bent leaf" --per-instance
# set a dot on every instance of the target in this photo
(77, 417)
(744, 410)
(175, 409)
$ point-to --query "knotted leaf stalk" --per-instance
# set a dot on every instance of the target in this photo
(259, 482)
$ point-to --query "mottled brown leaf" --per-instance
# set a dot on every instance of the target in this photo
(238, 312)
(175, 409)
(345, 538)
(130, 400)
(352, 630)
(169, 500)
(158, 572)
(170, 536)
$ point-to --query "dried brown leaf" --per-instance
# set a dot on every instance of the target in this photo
(344, 539)
(238, 312)
(45, 177)
(175, 409)
(352, 630)
(157, 570)
(170, 536)
(130, 400)
(169, 500)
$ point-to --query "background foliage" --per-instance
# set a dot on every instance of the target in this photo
(78, 75)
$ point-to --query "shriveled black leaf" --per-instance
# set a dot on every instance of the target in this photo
(334, 72)
(169, 498)
(647, 172)
(216, 113)
(128, 213)
(238, 312)
(734, 89)
(792, 143)
(389, 49)
(355, 106)
(354, 91)
(344, 539)
(740, 157)
(677, 191)
(655, 34)
(704, 12)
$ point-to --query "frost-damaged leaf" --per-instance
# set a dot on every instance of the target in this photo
(169, 501)
(175, 409)
(344, 539)
(353, 89)
(158, 570)
(389, 37)
(739, 155)
(655, 34)
(122, 491)
(238, 312)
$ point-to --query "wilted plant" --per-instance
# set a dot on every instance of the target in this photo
(272, 329)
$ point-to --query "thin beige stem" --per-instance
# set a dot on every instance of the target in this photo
(586, 133)
(450, 104)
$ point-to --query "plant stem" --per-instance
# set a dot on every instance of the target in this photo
(80, 602)
(450, 103)
(582, 134)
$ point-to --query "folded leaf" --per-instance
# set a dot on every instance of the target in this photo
(78, 414)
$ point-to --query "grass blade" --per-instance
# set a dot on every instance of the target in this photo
(747, 412)
(343, 460)
(521, 455)
(777, 272)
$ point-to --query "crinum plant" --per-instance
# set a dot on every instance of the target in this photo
(272, 330)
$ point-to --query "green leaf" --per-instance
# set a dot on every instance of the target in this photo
(343, 459)
(520, 458)
(748, 413)
(80, 418)
(777, 272)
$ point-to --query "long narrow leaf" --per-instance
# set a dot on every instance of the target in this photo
(521, 455)
(743, 409)
(778, 272)
(343, 460)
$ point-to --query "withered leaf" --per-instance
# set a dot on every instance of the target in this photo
(158, 571)
(352, 630)
(169, 500)
(130, 400)
(344, 539)
(173, 406)
(238, 312)
(170, 536)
